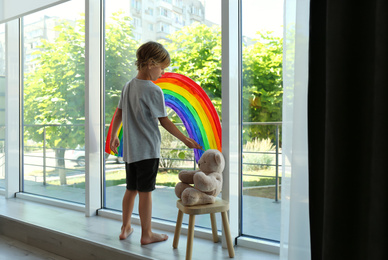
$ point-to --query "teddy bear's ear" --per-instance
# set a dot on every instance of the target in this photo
(218, 158)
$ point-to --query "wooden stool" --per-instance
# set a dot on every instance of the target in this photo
(219, 206)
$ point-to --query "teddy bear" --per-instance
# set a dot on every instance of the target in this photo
(202, 186)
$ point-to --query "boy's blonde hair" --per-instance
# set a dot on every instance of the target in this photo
(153, 52)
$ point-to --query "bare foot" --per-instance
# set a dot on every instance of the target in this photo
(125, 232)
(145, 240)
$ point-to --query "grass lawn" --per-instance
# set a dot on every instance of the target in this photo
(263, 192)
(170, 178)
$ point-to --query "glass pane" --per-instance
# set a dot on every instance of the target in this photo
(191, 32)
(53, 102)
(262, 116)
(2, 105)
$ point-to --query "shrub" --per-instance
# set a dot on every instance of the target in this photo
(171, 149)
(256, 153)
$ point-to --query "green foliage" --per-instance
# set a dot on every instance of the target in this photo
(120, 57)
(172, 149)
(196, 53)
(263, 181)
(262, 84)
(260, 155)
(54, 93)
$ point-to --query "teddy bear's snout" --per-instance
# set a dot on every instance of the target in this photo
(199, 164)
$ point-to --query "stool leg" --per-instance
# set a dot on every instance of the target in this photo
(228, 237)
(190, 237)
(177, 229)
(214, 227)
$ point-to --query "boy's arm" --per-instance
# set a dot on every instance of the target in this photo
(172, 129)
(114, 140)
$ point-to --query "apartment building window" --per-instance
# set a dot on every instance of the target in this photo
(149, 11)
(137, 36)
(178, 3)
(164, 27)
(136, 4)
(178, 19)
(136, 22)
(196, 10)
(164, 12)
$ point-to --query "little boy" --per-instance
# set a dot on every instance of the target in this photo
(140, 108)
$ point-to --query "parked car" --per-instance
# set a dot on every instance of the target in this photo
(78, 155)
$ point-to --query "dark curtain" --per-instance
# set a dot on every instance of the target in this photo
(348, 129)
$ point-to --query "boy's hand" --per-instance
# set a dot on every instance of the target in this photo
(192, 144)
(114, 143)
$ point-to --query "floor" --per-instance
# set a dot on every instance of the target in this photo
(16, 250)
(102, 231)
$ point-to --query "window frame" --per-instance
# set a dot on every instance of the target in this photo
(94, 121)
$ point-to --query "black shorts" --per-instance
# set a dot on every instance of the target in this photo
(141, 175)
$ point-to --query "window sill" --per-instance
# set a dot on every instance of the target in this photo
(68, 233)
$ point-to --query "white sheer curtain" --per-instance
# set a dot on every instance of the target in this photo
(295, 230)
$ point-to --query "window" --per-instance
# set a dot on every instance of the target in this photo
(196, 10)
(193, 49)
(164, 12)
(164, 27)
(53, 102)
(149, 11)
(136, 22)
(54, 94)
(2, 105)
(262, 116)
(117, 25)
(137, 36)
(178, 19)
(136, 4)
(178, 3)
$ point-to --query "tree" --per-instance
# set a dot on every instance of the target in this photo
(196, 53)
(262, 84)
(54, 94)
(120, 57)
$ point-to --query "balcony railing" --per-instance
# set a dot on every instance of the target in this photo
(40, 159)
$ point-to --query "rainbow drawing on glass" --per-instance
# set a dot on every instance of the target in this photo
(193, 107)
(119, 135)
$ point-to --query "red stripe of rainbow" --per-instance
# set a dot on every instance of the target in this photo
(119, 135)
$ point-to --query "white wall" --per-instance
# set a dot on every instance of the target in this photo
(11, 9)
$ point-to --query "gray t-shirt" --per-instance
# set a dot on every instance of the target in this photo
(142, 103)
